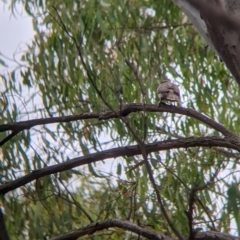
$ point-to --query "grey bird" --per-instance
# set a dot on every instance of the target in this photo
(169, 91)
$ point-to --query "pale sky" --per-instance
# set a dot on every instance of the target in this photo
(15, 31)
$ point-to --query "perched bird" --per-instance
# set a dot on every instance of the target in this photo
(169, 91)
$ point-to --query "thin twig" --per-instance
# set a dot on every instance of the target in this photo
(155, 187)
(192, 199)
(75, 202)
(10, 136)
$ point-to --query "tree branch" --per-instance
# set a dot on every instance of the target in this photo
(220, 27)
(123, 224)
(214, 236)
(118, 152)
(190, 191)
(159, 197)
(3, 230)
(10, 136)
(128, 226)
(124, 111)
(192, 198)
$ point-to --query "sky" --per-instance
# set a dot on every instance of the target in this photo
(15, 31)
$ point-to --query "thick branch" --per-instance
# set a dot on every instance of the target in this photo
(223, 29)
(128, 226)
(218, 22)
(214, 236)
(118, 152)
(23, 125)
(123, 224)
(136, 107)
(125, 110)
(3, 230)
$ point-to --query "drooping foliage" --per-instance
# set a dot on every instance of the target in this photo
(95, 56)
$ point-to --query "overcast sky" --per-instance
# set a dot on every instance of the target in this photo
(15, 31)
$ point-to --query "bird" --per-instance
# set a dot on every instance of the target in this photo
(169, 91)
